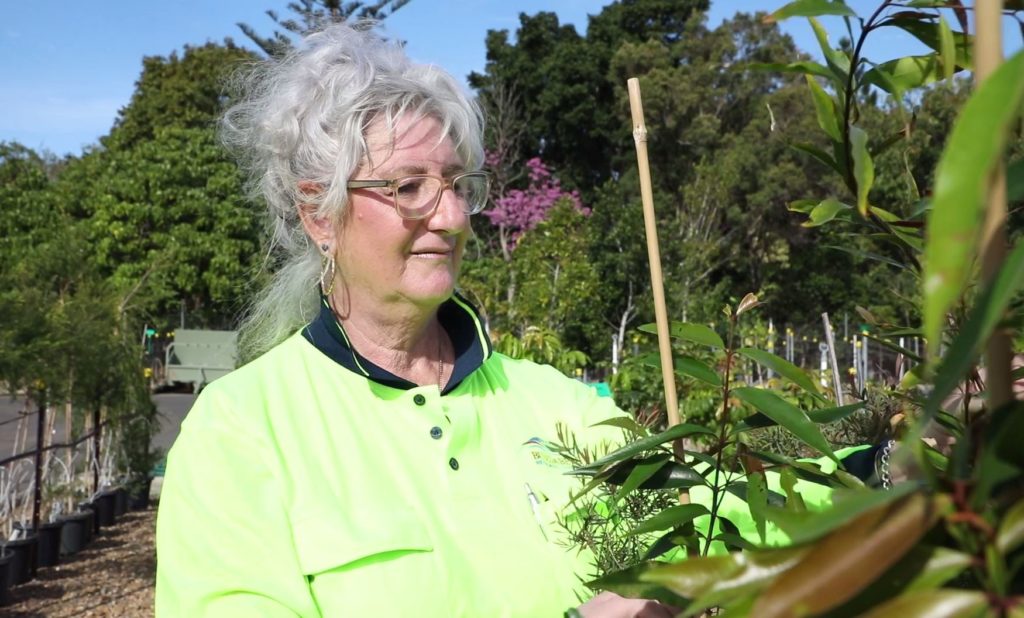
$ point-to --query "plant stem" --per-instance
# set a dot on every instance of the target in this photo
(722, 436)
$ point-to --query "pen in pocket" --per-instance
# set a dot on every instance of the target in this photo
(535, 507)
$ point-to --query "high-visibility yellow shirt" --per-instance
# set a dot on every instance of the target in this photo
(309, 483)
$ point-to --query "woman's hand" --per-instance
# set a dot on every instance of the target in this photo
(611, 605)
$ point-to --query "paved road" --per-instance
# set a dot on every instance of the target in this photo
(172, 408)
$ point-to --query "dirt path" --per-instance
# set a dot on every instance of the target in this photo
(112, 577)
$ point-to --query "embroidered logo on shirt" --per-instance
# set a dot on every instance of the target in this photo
(546, 453)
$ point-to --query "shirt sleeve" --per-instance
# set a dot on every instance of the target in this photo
(224, 544)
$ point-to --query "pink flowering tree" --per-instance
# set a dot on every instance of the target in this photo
(520, 210)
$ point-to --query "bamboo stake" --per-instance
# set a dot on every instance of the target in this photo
(653, 252)
(988, 55)
(831, 342)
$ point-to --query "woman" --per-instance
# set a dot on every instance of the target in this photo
(377, 457)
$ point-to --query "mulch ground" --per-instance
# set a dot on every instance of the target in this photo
(112, 577)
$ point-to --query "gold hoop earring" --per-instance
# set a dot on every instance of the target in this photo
(326, 271)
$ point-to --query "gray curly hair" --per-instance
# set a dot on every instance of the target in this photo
(304, 117)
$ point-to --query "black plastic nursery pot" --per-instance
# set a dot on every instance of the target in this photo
(49, 543)
(5, 567)
(105, 504)
(23, 559)
(120, 501)
(76, 532)
(49, 534)
(138, 496)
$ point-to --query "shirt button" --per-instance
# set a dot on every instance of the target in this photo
(454, 463)
(435, 433)
(419, 400)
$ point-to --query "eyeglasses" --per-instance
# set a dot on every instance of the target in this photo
(417, 196)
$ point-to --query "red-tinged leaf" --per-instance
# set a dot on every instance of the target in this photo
(839, 566)
(922, 568)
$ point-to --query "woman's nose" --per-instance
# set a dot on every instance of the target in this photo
(450, 213)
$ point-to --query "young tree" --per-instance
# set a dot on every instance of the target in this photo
(312, 15)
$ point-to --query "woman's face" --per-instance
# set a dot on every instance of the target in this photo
(383, 258)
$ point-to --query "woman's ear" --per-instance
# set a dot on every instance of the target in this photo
(320, 229)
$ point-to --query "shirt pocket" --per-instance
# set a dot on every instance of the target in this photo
(352, 562)
(323, 543)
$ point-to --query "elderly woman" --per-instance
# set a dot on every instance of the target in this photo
(377, 458)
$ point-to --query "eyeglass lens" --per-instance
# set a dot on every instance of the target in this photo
(416, 196)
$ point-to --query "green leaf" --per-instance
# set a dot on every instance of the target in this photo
(794, 501)
(695, 333)
(786, 415)
(831, 415)
(838, 566)
(671, 475)
(821, 156)
(671, 517)
(947, 48)
(942, 602)
(627, 583)
(825, 212)
(973, 149)
(863, 167)
(802, 206)
(675, 432)
(757, 570)
(810, 526)
(739, 489)
(820, 417)
(1011, 529)
(902, 74)
(810, 8)
(688, 366)
(927, 33)
(697, 369)
(895, 347)
(784, 368)
(837, 60)
(757, 502)
(624, 422)
(803, 67)
(709, 579)
(988, 310)
(825, 108)
(641, 472)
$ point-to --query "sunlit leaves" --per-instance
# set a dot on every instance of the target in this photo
(961, 182)
(825, 108)
(863, 167)
(810, 8)
(787, 415)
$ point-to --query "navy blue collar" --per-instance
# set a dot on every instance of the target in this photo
(459, 319)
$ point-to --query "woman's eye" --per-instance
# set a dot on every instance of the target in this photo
(410, 187)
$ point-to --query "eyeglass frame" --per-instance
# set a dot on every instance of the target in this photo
(446, 183)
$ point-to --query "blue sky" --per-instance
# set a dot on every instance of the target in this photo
(67, 67)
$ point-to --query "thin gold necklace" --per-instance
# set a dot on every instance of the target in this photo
(440, 363)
